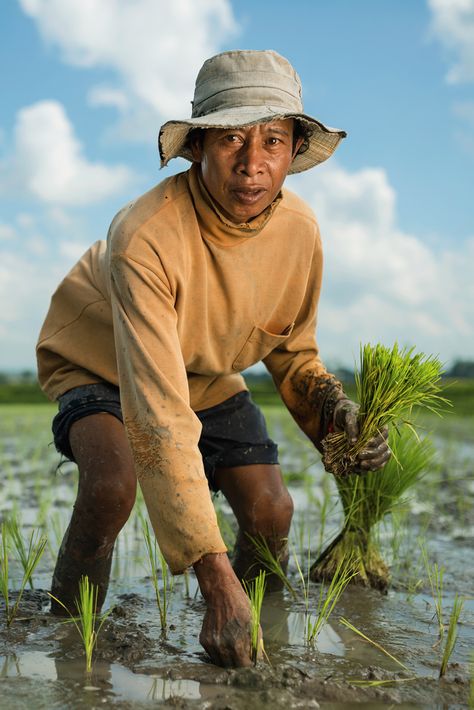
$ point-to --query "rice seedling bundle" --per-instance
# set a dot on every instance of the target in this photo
(390, 384)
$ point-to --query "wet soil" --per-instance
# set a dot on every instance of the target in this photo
(135, 665)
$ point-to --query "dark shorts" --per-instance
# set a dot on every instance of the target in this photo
(234, 432)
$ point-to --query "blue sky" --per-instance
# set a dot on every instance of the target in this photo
(86, 85)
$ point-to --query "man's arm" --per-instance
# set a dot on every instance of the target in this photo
(314, 397)
(164, 432)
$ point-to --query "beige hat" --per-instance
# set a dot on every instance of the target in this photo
(241, 88)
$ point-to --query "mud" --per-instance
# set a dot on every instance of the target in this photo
(136, 666)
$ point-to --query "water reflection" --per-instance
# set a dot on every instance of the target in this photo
(111, 679)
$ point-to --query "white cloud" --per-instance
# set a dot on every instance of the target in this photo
(153, 47)
(31, 267)
(453, 25)
(48, 161)
(25, 220)
(382, 284)
(107, 96)
(6, 232)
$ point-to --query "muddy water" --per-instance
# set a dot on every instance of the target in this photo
(135, 665)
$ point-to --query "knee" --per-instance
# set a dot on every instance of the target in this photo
(272, 514)
(108, 503)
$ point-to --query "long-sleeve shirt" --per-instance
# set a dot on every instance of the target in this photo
(171, 309)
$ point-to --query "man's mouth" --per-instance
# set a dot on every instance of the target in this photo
(248, 195)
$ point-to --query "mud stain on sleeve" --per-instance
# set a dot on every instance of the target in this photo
(311, 401)
(149, 442)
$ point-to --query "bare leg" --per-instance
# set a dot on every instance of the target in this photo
(105, 498)
(262, 505)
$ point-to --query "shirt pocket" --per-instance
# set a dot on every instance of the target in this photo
(258, 345)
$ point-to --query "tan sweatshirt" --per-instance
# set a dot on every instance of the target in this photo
(172, 308)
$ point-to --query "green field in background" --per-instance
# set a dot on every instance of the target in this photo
(459, 392)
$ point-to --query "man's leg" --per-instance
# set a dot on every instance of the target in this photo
(263, 507)
(105, 498)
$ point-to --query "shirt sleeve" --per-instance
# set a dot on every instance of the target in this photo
(162, 428)
(297, 370)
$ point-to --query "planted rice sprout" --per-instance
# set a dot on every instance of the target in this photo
(452, 634)
(271, 562)
(435, 579)
(4, 567)
(87, 623)
(255, 590)
(155, 558)
(23, 552)
(328, 596)
(33, 555)
(390, 385)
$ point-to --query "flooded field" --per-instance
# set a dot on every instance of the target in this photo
(135, 665)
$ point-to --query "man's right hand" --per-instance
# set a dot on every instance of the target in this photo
(226, 630)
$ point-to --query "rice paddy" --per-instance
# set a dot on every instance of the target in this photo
(379, 649)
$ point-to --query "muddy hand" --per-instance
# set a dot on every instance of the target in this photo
(226, 629)
(376, 453)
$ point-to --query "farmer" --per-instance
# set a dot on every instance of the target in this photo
(209, 272)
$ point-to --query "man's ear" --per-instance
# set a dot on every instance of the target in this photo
(196, 149)
(298, 144)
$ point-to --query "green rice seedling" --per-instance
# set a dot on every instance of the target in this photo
(256, 591)
(435, 579)
(452, 634)
(34, 553)
(271, 562)
(366, 500)
(56, 531)
(4, 567)
(365, 683)
(163, 595)
(305, 581)
(186, 584)
(328, 598)
(87, 623)
(22, 550)
(325, 506)
(390, 383)
(351, 627)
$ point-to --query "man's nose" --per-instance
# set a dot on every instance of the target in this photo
(250, 159)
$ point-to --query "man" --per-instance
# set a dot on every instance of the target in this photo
(209, 272)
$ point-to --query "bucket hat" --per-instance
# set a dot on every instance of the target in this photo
(242, 88)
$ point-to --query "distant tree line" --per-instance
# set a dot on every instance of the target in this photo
(23, 387)
(459, 369)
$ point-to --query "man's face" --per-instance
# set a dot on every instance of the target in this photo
(244, 168)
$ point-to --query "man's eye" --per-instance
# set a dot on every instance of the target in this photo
(231, 138)
(273, 140)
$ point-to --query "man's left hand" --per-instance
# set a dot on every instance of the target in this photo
(377, 451)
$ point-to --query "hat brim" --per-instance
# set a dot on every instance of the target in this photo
(321, 145)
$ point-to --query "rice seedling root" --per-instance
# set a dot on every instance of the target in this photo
(369, 569)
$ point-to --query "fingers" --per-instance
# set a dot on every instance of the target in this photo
(376, 453)
(345, 418)
(229, 644)
(351, 426)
